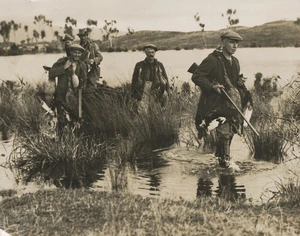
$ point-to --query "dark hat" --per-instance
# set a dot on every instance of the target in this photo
(229, 34)
(82, 32)
(68, 37)
(150, 46)
(76, 47)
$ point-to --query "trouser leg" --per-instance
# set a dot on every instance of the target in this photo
(224, 136)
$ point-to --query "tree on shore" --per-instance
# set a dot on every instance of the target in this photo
(40, 21)
(130, 31)
(15, 26)
(36, 35)
(26, 31)
(197, 19)
(69, 23)
(90, 23)
(5, 30)
(110, 31)
(232, 20)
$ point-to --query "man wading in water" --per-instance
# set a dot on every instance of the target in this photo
(217, 73)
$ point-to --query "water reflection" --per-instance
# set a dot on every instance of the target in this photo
(204, 188)
(228, 189)
(147, 167)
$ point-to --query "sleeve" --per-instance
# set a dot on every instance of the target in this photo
(57, 69)
(98, 56)
(134, 82)
(203, 74)
(164, 73)
(83, 75)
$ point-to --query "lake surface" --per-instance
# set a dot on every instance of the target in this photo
(168, 175)
(117, 67)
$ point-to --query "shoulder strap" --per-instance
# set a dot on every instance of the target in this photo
(226, 78)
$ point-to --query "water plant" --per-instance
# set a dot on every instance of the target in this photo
(277, 129)
(72, 161)
(112, 131)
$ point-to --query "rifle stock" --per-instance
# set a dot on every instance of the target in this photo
(192, 68)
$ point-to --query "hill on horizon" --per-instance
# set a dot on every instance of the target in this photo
(272, 34)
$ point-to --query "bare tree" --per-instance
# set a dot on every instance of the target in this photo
(197, 19)
(232, 20)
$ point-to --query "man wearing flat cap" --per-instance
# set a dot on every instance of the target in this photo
(92, 57)
(219, 71)
(149, 79)
(67, 40)
(71, 76)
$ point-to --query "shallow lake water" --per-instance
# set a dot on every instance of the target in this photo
(178, 173)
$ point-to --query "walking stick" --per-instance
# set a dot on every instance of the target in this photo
(239, 111)
(80, 103)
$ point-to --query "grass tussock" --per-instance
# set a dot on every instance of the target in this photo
(111, 130)
(70, 162)
(82, 212)
(278, 131)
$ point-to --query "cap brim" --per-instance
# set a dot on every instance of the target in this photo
(151, 48)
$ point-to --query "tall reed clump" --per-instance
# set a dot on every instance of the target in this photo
(9, 92)
(111, 132)
(288, 192)
(72, 161)
(107, 112)
(276, 132)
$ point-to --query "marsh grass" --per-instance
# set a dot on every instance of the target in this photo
(288, 193)
(9, 94)
(277, 130)
(69, 162)
(112, 131)
(83, 212)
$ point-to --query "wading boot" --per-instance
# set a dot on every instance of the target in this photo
(224, 161)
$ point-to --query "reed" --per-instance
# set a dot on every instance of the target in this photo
(112, 131)
(69, 162)
(276, 131)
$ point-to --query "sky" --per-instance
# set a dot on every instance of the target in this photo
(170, 15)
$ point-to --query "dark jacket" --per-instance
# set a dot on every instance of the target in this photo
(92, 51)
(145, 71)
(210, 72)
(64, 76)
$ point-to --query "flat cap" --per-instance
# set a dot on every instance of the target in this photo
(68, 37)
(150, 46)
(229, 34)
(82, 32)
(76, 47)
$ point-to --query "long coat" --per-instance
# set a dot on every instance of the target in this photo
(142, 73)
(64, 77)
(92, 51)
(210, 72)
